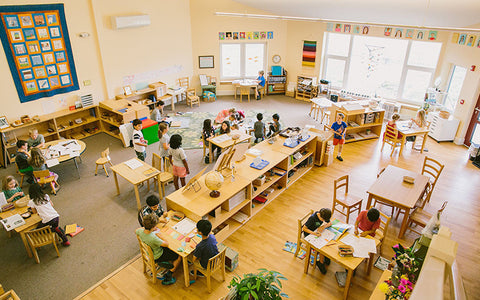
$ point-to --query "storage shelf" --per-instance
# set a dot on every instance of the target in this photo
(233, 226)
(298, 161)
(87, 121)
(270, 197)
(110, 122)
(361, 139)
(299, 173)
(266, 185)
(112, 134)
(364, 126)
(225, 215)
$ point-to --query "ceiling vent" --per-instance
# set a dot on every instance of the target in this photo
(121, 22)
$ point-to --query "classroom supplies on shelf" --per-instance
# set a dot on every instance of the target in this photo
(262, 164)
(291, 143)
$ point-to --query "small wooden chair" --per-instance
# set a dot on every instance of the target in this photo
(149, 264)
(215, 263)
(103, 160)
(301, 244)
(420, 217)
(10, 295)
(192, 97)
(43, 177)
(381, 232)
(244, 91)
(349, 202)
(432, 169)
(390, 136)
(183, 82)
(40, 237)
(166, 175)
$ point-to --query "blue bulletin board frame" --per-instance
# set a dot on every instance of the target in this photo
(47, 34)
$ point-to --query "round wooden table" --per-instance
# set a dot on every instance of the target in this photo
(63, 158)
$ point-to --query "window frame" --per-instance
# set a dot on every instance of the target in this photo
(242, 59)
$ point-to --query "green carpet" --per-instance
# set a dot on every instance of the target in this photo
(192, 124)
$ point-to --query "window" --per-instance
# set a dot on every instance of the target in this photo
(386, 67)
(241, 60)
(454, 87)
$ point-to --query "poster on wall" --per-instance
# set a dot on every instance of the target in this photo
(37, 47)
(309, 53)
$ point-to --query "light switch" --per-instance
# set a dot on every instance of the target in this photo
(87, 82)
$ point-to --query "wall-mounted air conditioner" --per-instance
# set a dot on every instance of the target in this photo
(120, 22)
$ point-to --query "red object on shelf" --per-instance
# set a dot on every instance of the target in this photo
(71, 107)
(260, 199)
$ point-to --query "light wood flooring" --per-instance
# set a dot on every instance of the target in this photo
(260, 241)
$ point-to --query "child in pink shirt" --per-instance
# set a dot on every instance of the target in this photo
(368, 222)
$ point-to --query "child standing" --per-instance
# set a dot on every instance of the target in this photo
(164, 142)
(261, 83)
(274, 126)
(339, 128)
(178, 159)
(316, 224)
(207, 133)
(259, 129)
(37, 161)
(41, 204)
(368, 222)
(11, 189)
(207, 248)
(139, 143)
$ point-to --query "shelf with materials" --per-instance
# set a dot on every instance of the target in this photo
(276, 84)
(257, 190)
(307, 87)
(298, 174)
(257, 206)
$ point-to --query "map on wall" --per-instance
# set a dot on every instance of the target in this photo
(37, 46)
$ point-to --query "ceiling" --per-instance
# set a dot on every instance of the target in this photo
(427, 13)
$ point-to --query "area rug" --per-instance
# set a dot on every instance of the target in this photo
(292, 247)
(192, 124)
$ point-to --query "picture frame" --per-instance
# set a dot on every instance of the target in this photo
(127, 90)
(206, 62)
(4, 122)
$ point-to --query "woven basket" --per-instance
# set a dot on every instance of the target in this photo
(22, 202)
(444, 114)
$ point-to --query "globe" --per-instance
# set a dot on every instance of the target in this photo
(214, 181)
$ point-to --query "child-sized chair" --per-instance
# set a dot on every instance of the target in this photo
(40, 237)
(215, 263)
(192, 97)
(391, 137)
(43, 177)
(347, 201)
(300, 240)
(103, 160)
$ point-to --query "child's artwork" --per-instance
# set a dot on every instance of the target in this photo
(242, 35)
(398, 32)
(235, 35)
(455, 37)
(409, 33)
(365, 29)
(263, 35)
(471, 40)
(221, 36)
(478, 42)
(256, 35)
(249, 35)
(420, 34)
(356, 29)
(228, 36)
(462, 39)
(270, 35)
(35, 39)
(346, 28)
(329, 26)
(388, 31)
(338, 27)
(432, 35)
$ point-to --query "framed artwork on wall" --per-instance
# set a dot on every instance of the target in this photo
(3, 122)
(206, 62)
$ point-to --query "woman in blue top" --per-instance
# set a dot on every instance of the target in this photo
(261, 83)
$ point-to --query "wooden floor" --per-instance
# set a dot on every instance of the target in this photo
(260, 241)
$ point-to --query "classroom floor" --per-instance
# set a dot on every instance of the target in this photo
(110, 220)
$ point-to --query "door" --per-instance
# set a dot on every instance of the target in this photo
(473, 131)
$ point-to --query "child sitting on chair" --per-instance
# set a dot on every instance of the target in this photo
(207, 248)
(37, 161)
(316, 224)
(393, 123)
(11, 189)
(368, 222)
(153, 207)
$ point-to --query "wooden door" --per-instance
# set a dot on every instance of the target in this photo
(473, 131)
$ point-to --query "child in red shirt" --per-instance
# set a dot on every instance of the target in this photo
(368, 222)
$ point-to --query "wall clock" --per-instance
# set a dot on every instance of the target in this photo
(276, 58)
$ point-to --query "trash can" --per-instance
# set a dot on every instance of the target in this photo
(474, 151)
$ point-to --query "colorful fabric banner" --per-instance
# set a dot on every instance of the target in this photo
(37, 46)
(309, 53)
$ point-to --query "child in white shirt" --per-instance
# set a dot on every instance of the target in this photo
(139, 143)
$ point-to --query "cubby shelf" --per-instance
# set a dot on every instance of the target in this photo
(266, 185)
(270, 198)
(225, 215)
(298, 161)
(299, 173)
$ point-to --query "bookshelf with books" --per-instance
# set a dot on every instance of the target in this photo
(307, 87)
(277, 84)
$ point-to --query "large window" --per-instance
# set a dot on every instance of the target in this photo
(241, 60)
(454, 87)
(386, 67)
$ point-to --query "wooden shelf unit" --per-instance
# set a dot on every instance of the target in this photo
(52, 126)
(359, 117)
(276, 84)
(238, 195)
(307, 87)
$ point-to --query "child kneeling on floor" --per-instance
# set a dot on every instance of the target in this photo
(207, 248)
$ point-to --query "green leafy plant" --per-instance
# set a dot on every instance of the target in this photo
(265, 285)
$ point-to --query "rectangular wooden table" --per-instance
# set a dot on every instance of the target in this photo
(30, 223)
(406, 130)
(228, 143)
(136, 176)
(391, 188)
(349, 263)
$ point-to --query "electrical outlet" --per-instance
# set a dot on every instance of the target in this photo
(87, 82)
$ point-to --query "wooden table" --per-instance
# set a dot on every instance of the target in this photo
(391, 188)
(30, 223)
(176, 244)
(227, 144)
(136, 176)
(320, 105)
(377, 294)
(349, 263)
(64, 158)
(252, 84)
(174, 94)
(406, 130)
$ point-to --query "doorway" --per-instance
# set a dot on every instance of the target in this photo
(473, 131)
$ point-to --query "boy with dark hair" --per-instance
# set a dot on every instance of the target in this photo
(139, 143)
(161, 253)
(259, 129)
(21, 159)
(274, 126)
(153, 207)
(207, 248)
(368, 222)
(316, 224)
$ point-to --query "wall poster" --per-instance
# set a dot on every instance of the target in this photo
(37, 46)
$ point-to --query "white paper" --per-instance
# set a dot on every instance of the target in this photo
(221, 138)
(254, 152)
(316, 241)
(3, 200)
(133, 163)
(185, 226)
(361, 246)
(12, 222)
(52, 162)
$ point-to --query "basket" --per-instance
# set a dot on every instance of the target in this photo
(444, 114)
(22, 202)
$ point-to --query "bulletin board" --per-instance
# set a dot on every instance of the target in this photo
(37, 46)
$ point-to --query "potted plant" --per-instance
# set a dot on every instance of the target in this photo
(265, 285)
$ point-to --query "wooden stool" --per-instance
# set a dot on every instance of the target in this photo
(349, 202)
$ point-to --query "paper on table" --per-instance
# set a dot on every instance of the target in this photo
(74, 154)
(320, 241)
(361, 246)
(185, 226)
(52, 162)
(12, 222)
(133, 163)
(221, 138)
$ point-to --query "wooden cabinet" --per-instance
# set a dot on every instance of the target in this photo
(307, 87)
(236, 203)
(362, 124)
(277, 84)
